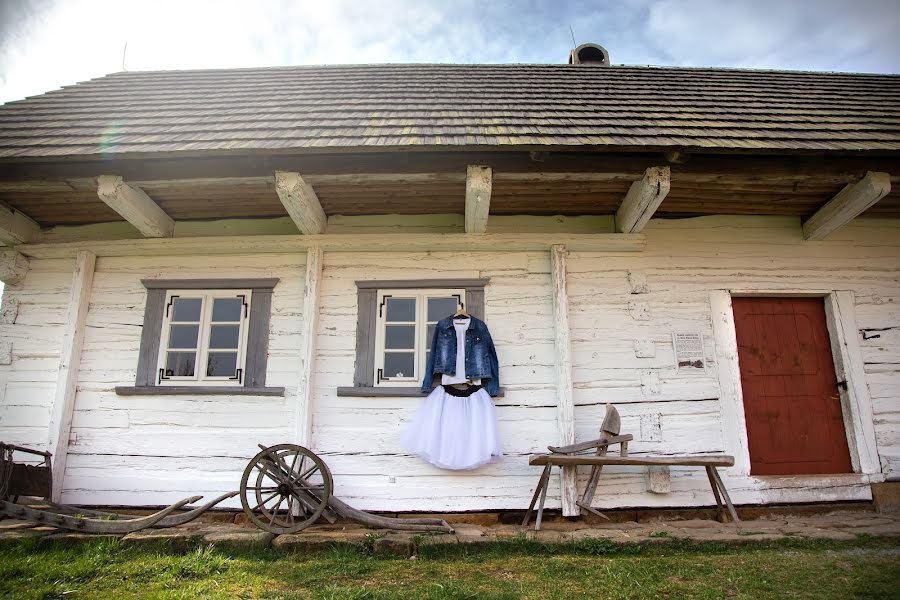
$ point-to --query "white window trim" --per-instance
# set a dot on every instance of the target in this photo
(200, 378)
(421, 323)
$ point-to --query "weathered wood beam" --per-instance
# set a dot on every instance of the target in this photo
(372, 242)
(13, 267)
(565, 402)
(643, 198)
(135, 206)
(788, 167)
(308, 333)
(69, 362)
(16, 227)
(847, 204)
(478, 198)
(301, 202)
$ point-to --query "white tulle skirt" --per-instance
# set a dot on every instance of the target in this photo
(454, 433)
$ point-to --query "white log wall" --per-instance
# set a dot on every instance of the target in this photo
(155, 449)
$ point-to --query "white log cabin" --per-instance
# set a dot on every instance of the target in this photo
(715, 252)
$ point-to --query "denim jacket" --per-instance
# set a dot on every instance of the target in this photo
(481, 357)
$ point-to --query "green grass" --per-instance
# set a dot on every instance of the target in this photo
(672, 568)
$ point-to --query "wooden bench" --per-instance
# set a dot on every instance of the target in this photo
(567, 456)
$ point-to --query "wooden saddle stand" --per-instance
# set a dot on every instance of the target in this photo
(568, 456)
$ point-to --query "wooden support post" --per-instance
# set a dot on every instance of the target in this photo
(308, 332)
(565, 414)
(13, 267)
(135, 206)
(541, 486)
(478, 198)
(643, 198)
(720, 510)
(69, 361)
(16, 227)
(847, 204)
(301, 202)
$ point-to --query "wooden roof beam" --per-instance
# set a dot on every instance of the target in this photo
(301, 202)
(847, 204)
(135, 206)
(16, 227)
(479, 181)
(13, 267)
(643, 198)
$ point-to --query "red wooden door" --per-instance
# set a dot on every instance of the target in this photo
(791, 401)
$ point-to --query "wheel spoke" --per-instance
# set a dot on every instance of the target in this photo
(275, 512)
(290, 509)
(262, 504)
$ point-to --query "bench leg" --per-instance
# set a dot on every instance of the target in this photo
(540, 510)
(542, 483)
(590, 490)
(725, 495)
(720, 510)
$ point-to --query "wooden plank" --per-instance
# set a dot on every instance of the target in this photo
(364, 369)
(731, 398)
(258, 338)
(13, 267)
(700, 168)
(67, 370)
(849, 365)
(135, 206)
(16, 227)
(692, 460)
(565, 404)
(478, 198)
(400, 284)
(308, 332)
(148, 356)
(210, 284)
(197, 390)
(849, 203)
(642, 200)
(418, 242)
(301, 202)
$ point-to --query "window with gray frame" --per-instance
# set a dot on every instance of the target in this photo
(205, 336)
(395, 323)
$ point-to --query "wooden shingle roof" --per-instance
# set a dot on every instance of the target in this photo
(455, 106)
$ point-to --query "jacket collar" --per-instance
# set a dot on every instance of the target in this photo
(447, 323)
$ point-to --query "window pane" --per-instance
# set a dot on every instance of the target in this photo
(402, 337)
(183, 336)
(227, 309)
(180, 364)
(399, 364)
(429, 335)
(221, 364)
(400, 309)
(224, 336)
(186, 309)
(438, 308)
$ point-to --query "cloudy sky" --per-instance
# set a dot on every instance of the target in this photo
(48, 43)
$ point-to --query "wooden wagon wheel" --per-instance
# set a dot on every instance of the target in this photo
(285, 488)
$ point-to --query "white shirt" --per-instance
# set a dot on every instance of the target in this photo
(460, 325)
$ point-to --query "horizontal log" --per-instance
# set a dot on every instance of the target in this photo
(708, 167)
(436, 242)
(693, 460)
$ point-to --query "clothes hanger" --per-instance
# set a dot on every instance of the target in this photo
(461, 312)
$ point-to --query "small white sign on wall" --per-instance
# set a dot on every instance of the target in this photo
(688, 347)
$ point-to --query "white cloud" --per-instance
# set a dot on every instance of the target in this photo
(48, 43)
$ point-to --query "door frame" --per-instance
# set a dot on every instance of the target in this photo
(856, 404)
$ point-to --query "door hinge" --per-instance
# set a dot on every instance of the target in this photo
(842, 385)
